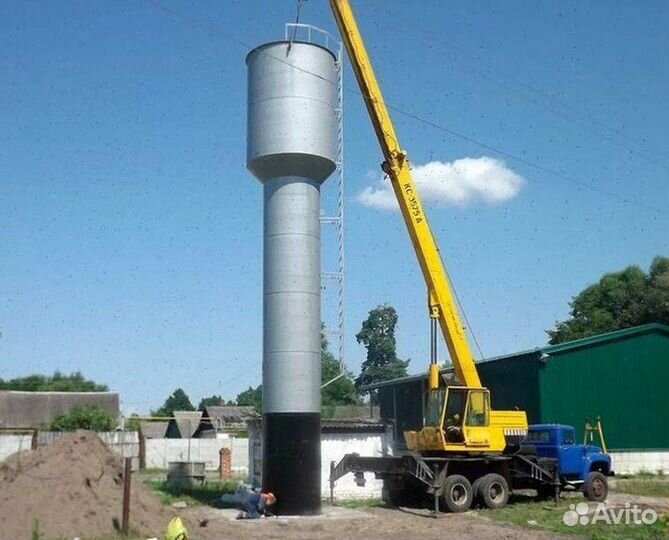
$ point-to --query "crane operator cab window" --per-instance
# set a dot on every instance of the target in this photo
(477, 409)
(434, 407)
(455, 413)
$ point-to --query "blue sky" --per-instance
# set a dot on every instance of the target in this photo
(131, 230)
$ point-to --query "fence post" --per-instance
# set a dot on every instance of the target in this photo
(127, 474)
(142, 450)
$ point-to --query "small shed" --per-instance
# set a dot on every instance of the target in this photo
(183, 425)
(154, 430)
(39, 409)
(226, 419)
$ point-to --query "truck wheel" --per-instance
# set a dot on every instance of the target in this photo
(494, 490)
(457, 493)
(476, 490)
(596, 487)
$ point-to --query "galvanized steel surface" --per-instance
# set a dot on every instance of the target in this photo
(292, 298)
(291, 148)
(291, 115)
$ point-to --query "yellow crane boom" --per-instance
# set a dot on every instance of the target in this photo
(442, 304)
(457, 418)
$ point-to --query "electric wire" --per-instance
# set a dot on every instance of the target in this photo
(527, 162)
(233, 39)
(433, 38)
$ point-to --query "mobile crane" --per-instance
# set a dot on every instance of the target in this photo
(465, 449)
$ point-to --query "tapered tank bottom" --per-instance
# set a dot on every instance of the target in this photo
(292, 461)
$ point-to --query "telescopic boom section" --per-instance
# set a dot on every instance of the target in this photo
(441, 299)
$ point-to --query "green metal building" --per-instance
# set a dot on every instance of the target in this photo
(621, 377)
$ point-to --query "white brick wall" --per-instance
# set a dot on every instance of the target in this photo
(159, 452)
(12, 443)
(333, 448)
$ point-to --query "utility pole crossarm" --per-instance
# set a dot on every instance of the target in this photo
(442, 302)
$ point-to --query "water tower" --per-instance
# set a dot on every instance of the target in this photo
(291, 149)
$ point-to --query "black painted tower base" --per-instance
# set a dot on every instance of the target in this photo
(292, 462)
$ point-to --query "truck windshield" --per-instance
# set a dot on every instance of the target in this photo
(435, 404)
(539, 436)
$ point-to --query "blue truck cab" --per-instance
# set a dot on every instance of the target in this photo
(579, 465)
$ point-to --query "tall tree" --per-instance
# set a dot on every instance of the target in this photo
(86, 417)
(58, 382)
(178, 401)
(619, 300)
(252, 397)
(378, 336)
(210, 401)
(340, 392)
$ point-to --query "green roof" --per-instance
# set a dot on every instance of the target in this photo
(609, 336)
(549, 349)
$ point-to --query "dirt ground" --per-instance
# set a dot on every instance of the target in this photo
(71, 488)
(660, 504)
(367, 524)
(382, 524)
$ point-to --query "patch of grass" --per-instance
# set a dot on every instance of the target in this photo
(547, 516)
(647, 485)
(208, 494)
(153, 470)
(643, 474)
(35, 533)
(360, 503)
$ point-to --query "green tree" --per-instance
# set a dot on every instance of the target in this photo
(340, 392)
(378, 336)
(75, 382)
(619, 300)
(87, 417)
(178, 401)
(133, 423)
(252, 397)
(213, 400)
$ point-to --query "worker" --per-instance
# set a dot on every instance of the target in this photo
(454, 429)
(255, 505)
(176, 530)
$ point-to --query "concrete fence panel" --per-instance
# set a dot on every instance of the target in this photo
(334, 447)
(639, 461)
(159, 452)
(12, 443)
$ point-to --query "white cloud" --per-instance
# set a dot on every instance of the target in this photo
(459, 183)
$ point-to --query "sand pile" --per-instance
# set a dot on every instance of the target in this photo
(73, 487)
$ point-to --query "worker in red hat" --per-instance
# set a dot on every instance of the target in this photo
(256, 505)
